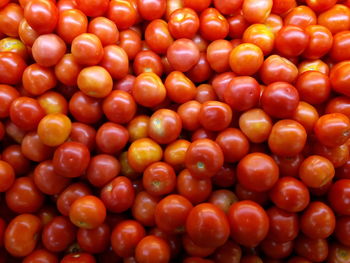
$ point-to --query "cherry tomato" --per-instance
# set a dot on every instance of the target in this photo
(20, 235)
(125, 237)
(71, 23)
(338, 196)
(10, 19)
(87, 49)
(105, 29)
(315, 250)
(7, 175)
(87, 212)
(111, 138)
(248, 222)
(256, 12)
(290, 194)
(12, 67)
(94, 240)
(204, 158)
(93, 8)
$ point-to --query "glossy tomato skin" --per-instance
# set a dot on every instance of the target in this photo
(78, 258)
(257, 172)
(41, 255)
(71, 23)
(144, 207)
(207, 225)
(24, 196)
(204, 158)
(284, 226)
(152, 248)
(290, 194)
(338, 196)
(19, 239)
(12, 68)
(41, 15)
(87, 212)
(111, 138)
(215, 115)
(92, 8)
(11, 16)
(71, 159)
(317, 221)
(118, 195)
(58, 234)
(315, 250)
(287, 138)
(95, 240)
(248, 232)
(338, 253)
(282, 96)
(164, 126)
(125, 236)
(276, 68)
(213, 25)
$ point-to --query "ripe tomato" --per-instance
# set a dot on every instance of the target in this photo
(204, 158)
(71, 23)
(257, 172)
(255, 12)
(125, 237)
(7, 175)
(315, 250)
(87, 49)
(152, 249)
(20, 235)
(105, 29)
(87, 212)
(290, 194)
(338, 196)
(12, 67)
(248, 222)
(94, 240)
(143, 209)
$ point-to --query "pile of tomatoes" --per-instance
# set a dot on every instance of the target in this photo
(192, 131)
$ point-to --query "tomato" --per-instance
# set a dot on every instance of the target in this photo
(277, 250)
(7, 95)
(41, 255)
(342, 230)
(53, 102)
(87, 49)
(14, 45)
(148, 90)
(7, 175)
(256, 125)
(332, 129)
(213, 25)
(47, 180)
(84, 134)
(256, 12)
(246, 59)
(102, 169)
(71, 159)
(338, 196)
(204, 158)
(71, 23)
(291, 41)
(317, 221)
(122, 13)
(15, 157)
(111, 138)
(282, 96)
(130, 41)
(93, 8)
(321, 41)
(69, 195)
(171, 213)
(20, 235)
(118, 195)
(301, 16)
(115, 61)
(284, 226)
(24, 196)
(315, 250)
(38, 79)
(290, 194)
(257, 172)
(151, 9)
(336, 19)
(105, 29)
(143, 209)
(248, 222)
(157, 36)
(287, 138)
(12, 67)
(87, 212)
(152, 249)
(306, 115)
(58, 234)
(195, 190)
(148, 61)
(164, 126)
(95, 82)
(229, 252)
(125, 237)
(205, 92)
(180, 89)
(338, 77)
(183, 23)
(10, 17)
(94, 240)
(317, 65)
(41, 15)
(183, 54)
(54, 129)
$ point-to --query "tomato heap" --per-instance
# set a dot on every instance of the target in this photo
(190, 131)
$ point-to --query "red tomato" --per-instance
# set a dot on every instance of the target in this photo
(249, 223)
